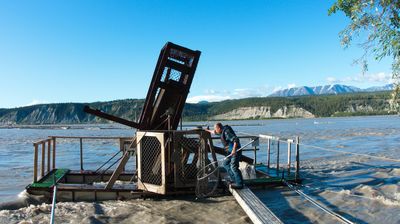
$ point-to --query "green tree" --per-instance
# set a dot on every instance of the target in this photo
(376, 24)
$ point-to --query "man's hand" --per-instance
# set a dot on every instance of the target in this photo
(210, 131)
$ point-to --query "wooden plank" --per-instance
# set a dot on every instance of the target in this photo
(257, 211)
(162, 190)
(54, 152)
(277, 157)
(35, 163)
(98, 188)
(179, 67)
(48, 180)
(269, 153)
(243, 158)
(119, 170)
(48, 155)
(40, 142)
(110, 117)
(43, 159)
(289, 153)
(81, 152)
(89, 137)
(297, 158)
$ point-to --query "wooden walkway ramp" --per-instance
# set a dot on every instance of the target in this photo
(255, 209)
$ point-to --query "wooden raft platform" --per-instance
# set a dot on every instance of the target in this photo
(254, 208)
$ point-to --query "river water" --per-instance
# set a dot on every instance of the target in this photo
(360, 188)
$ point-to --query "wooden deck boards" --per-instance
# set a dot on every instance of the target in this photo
(48, 180)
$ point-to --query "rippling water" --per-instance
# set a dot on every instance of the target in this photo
(361, 189)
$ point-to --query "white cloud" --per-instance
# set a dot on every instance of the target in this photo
(211, 95)
(277, 88)
(380, 77)
(247, 92)
(35, 102)
(291, 85)
(331, 80)
(209, 98)
(372, 79)
(210, 91)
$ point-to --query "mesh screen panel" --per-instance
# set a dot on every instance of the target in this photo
(191, 152)
(151, 160)
(170, 74)
(175, 75)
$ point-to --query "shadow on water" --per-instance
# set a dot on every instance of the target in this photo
(350, 177)
(99, 216)
(277, 202)
(337, 210)
(98, 209)
(364, 165)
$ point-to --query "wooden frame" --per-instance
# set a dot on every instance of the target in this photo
(142, 185)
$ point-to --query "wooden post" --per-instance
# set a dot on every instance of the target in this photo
(289, 143)
(122, 148)
(81, 152)
(297, 175)
(48, 154)
(43, 158)
(118, 170)
(277, 156)
(255, 155)
(54, 152)
(169, 122)
(268, 153)
(121, 145)
(35, 163)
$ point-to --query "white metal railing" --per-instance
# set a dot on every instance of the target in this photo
(289, 142)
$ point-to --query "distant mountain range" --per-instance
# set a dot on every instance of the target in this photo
(327, 90)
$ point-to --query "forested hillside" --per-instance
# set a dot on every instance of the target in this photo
(272, 107)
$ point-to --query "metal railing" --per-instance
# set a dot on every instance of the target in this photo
(48, 147)
(290, 143)
(51, 150)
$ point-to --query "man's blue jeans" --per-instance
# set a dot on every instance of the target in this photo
(231, 164)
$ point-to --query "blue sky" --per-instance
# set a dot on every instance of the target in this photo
(85, 51)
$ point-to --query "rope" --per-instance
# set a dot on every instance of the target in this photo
(335, 150)
(107, 161)
(330, 190)
(311, 200)
(100, 175)
(322, 207)
(352, 153)
(207, 171)
(203, 191)
(222, 160)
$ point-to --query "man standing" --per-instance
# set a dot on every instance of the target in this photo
(232, 144)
